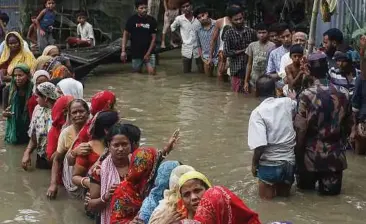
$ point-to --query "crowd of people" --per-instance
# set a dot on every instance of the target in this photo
(312, 108)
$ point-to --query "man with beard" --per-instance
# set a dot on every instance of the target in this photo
(204, 34)
(237, 39)
(321, 112)
(188, 26)
(141, 29)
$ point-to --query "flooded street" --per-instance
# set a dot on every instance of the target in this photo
(213, 123)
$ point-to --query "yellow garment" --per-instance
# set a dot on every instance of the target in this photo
(40, 63)
(327, 9)
(48, 49)
(193, 175)
(22, 57)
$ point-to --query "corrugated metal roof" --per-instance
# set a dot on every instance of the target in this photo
(343, 20)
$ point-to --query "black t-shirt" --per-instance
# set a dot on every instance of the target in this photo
(141, 30)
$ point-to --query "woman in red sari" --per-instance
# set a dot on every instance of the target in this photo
(59, 113)
(98, 129)
(129, 195)
(102, 101)
(221, 206)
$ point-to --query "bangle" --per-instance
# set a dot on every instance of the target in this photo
(82, 182)
(102, 199)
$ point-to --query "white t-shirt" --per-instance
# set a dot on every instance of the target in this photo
(271, 125)
(86, 32)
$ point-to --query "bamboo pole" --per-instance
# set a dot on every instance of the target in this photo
(314, 18)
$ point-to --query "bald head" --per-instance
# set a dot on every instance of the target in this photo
(300, 38)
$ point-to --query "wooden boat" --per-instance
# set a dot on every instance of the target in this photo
(84, 60)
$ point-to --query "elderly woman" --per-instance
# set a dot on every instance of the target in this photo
(78, 113)
(52, 51)
(41, 63)
(168, 204)
(72, 87)
(40, 126)
(17, 115)
(13, 54)
(39, 77)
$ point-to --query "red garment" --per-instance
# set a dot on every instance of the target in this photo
(77, 42)
(87, 161)
(102, 101)
(58, 121)
(128, 197)
(32, 103)
(220, 206)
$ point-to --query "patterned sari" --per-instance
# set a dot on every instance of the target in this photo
(128, 197)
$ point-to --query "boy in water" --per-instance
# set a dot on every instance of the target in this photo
(45, 22)
(85, 33)
(295, 72)
(257, 56)
(32, 33)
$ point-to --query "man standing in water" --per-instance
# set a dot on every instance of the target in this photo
(171, 12)
(272, 137)
(219, 33)
(204, 34)
(320, 154)
(141, 29)
(188, 27)
(237, 39)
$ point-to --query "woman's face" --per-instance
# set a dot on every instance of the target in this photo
(54, 52)
(21, 78)
(192, 192)
(78, 113)
(13, 43)
(120, 147)
(41, 79)
(42, 101)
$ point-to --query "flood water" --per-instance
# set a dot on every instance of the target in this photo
(213, 123)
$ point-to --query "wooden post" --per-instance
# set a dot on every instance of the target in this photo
(314, 18)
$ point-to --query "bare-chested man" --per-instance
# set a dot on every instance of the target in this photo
(171, 11)
(218, 33)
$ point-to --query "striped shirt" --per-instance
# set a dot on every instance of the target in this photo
(274, 60)
(188, 31)
(336, 77)
(204, 42)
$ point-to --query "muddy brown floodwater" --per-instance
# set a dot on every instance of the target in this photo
(213, 123)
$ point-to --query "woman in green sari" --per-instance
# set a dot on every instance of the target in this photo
(17, 112)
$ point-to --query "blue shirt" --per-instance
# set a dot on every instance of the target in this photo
(274, 60)
(48, 20)
(204, 42)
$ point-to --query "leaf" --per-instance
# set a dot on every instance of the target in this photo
(358, 33)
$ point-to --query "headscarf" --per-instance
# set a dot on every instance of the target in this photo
(58, 121)
(38, 74)
(184, 179)
(18, 123)
(127, 198)
(219, 205)
(71, 87)
(61, 71)
(157, 193)
(170, 196)
(48, 90)
(48, 49)
(102, 101)
(23, 56)
(41, 63)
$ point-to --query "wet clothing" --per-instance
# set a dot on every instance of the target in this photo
(219, 205)
(277, 174)
(138, 63)
(204, 42)
(235, 40)
(330, 183)
(321, 111)
(141, 30)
